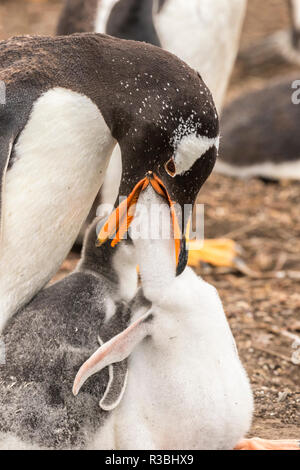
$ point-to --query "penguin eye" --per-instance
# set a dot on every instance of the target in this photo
(170, 167)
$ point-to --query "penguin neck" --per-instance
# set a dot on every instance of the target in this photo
(152, 235)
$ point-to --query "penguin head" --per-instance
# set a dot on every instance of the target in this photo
(177, 141)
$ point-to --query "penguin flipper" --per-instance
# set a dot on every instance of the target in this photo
(116, 387)
(6, 146)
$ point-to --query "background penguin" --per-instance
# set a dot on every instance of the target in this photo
(260, 129)
(68, 101)
(261, 133)
(129, 19)
(190, 30)
(47, 341)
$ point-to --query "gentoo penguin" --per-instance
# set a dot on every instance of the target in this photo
(46, 343)
(195, 382)
(69, 100)
(261, 133)
(129, 19)
(264, 122)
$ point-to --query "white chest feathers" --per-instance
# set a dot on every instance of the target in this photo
(187, 388)
(61, 159)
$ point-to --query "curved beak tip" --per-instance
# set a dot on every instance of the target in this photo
(75, 389)
(149, 174)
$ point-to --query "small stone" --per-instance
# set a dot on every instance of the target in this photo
(282, 396)
(296, 358)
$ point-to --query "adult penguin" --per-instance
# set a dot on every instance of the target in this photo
(69, 100)
(264, 123)
(126, 19)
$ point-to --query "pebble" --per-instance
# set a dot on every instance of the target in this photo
(282, 396)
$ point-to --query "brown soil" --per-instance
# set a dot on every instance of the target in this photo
(263, 219)
(262, 309)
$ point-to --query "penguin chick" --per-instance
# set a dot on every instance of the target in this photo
(47, 341)
(195, 393)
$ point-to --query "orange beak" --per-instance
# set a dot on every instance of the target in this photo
(119, 221)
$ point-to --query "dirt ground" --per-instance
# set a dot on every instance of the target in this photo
(264, 219)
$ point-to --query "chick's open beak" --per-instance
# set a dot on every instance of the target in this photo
(119, 221)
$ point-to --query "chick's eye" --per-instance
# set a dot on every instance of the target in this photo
(170, 167)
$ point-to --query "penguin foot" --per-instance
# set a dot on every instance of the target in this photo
(218, 252)
(264, 444)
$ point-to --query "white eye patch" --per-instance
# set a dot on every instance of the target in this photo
(190, 149)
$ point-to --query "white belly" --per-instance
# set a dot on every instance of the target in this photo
(187, 389)
(62, 155)
(210, 409)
